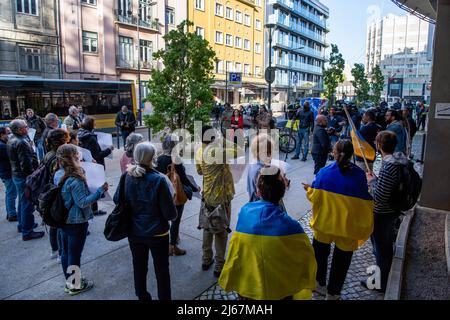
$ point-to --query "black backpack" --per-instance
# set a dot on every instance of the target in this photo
(51, 205)
(409, 187)
(35, 182)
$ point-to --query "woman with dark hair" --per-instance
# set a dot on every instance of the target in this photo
(342, 213)
(163, 162)
(78, 200)
(88, 140)
(237, 120)
(55, 139)
(266, 243)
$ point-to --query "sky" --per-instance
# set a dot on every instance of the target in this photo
(348, 24)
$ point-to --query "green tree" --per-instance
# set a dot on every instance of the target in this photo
(334, 74)
(181, 92)
(377, 84)
(360, 82)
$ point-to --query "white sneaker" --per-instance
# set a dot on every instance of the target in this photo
(333, 297)
(54, 255)
(58, 259)
(322, 290)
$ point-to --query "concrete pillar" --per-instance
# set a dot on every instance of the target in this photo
(436, 181)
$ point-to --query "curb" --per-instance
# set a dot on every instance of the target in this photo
(447, 243)
(395, 280)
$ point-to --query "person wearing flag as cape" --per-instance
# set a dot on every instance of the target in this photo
(268, 242)
(342, 213)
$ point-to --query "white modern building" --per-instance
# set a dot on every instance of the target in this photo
(402, 47)
(299, 43)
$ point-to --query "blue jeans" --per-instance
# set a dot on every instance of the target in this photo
(303, 138)
(125, 135)
(26, 208)
(73, 238)
(55, 239)
(10, 198)
(40, 149)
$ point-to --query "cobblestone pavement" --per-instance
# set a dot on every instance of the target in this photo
(352, 290)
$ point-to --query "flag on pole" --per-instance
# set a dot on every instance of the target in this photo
(359, 143)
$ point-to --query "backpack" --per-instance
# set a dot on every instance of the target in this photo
(409, 187)
(213, 219)
(35, 182)
(180, 196)
(51, 205)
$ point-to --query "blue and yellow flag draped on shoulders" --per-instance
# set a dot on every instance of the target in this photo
(270, 257)
(342, 207)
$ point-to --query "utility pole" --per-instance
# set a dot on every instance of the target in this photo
(270, 66)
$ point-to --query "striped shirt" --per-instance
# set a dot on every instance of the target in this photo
(386, 184)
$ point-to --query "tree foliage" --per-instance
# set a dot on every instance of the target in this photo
(181, 93)
(377, 84)
(334, 74)
(360, 82)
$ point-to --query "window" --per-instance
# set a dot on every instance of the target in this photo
(229, 40)
(219, 9)
(238, 16)
(219, 66)
(145, 11)
(229, 13)
(30, 59)
(258, 3)
(90, 42)
(27, 7)
(123, 6)
(219, 37)
(247, 20)
(200, 5)
(230, 66)
(257, 71)
(247, 44)
(246, 69)
(258, 47)
(146, 52)
(170, 16)
(258, 24)
(125, 51)
(200, 32)
(93, 2)
(238, 67)
(238, 42)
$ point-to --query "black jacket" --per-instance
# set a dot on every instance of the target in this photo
(5, 165)
(122, 120)
(38, 124)
(88, 140)
(22, 156)
(321, 141)
(306, 119)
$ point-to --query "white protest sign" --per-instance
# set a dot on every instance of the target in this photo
(95, 175)
(31, 133)
(85, 154)
(105, 141)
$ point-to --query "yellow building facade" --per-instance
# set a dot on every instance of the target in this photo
(235, 30)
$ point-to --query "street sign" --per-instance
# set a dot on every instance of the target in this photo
(235, 79)
(395, 87)
(270, 74)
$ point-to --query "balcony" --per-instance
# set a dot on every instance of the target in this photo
(131, 64)
(298, 66)
(132, 20)
(300, 11)
(289, 45)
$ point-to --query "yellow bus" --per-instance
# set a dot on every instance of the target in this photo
(100, 99)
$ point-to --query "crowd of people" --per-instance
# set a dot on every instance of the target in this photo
(350, 204)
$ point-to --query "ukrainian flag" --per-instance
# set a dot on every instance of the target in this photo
(270, 257)
(368, 150)
(342, 207)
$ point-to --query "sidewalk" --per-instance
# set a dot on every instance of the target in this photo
(27, 272)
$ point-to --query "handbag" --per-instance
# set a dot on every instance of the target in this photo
(180, 195)
(118, 223)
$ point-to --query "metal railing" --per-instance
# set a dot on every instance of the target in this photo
(148, 23)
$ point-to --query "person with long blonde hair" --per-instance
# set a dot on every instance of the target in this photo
(78, 200)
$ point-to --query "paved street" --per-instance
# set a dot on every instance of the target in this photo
(27, 272)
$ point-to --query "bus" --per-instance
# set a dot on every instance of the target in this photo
(100, 99)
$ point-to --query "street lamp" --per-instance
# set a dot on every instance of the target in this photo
(130, 13)
(290, 72)
(269, 75)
